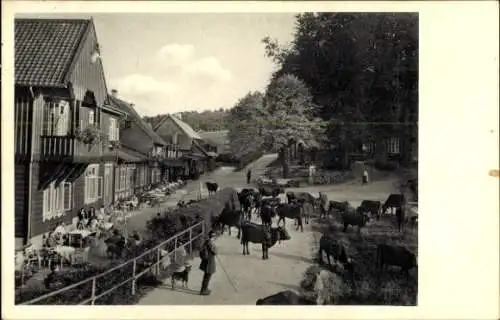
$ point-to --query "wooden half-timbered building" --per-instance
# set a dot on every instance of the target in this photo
(145, 150)
(189, 142)
(65, 128)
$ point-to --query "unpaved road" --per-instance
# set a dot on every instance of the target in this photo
(253, 277)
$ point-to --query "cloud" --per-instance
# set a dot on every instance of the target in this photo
(176, 80)
(175, 54)
(209, 67)
(140, 85)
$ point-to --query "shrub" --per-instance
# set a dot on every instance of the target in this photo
(386, 165)
(159, 229)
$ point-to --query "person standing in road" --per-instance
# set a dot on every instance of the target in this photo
(365, 176)
(249, 176)
(207, 254)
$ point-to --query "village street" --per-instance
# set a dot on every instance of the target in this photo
(252, 277)
(224, 176)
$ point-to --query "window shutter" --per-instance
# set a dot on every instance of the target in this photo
(91, 117)
(46, 203)
(99, 187)
(85, 190)
(117, 130)
(67, 195)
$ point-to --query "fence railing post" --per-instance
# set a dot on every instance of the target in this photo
(93, 291)
(158, 261)
(175, 249)
(133, 276)
(191, 241)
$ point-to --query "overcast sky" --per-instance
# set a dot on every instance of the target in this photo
(174, 62)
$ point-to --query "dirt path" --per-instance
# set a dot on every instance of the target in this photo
(253, 277)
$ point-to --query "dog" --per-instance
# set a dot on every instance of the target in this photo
(182, 276)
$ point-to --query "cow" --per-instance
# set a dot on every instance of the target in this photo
(337, 206)
(323, 204)
(336, 249)
(301, 196)
(267, 191)
(246, 201)
(256, 233)
(282, 298)
(394, 201)
(357, 218)
(267, 213)
(211, 187)
(291, 211)
(230, 218)
(371, 206)
(392, 255)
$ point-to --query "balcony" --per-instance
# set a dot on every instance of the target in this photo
(173, 151)
(68, 148)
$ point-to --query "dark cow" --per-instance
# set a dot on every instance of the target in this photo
(336, 249)
(302, 197)
(267, 191)
(391, 255)
(267, 213)
(257, 233)
(246, 199)
(291, 211)
(282, 298)
(371, 206)
(230, 218)
(357, 218)
(336, 206)
(211, 187)
(394, 201)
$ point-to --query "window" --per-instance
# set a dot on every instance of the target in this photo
(93, 184)
(114, 130)
(129, 182)
(393, 146)
(57, 199)
(56, 118)
(91, 117)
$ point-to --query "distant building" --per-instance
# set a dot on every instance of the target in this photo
(218, 139)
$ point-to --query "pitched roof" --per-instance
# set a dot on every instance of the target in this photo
(184, 126)
(45, 49)
(129, 108)
(217, 137)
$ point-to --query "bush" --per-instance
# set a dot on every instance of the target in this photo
(386, 165)
(159, 229)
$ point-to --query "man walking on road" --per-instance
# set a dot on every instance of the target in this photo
(249, 175)
(207, 254)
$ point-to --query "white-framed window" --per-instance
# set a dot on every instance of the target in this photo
(114, 130)
(93, 184)
(57, 199)
(91, 117)
(56, 118)
(393, 146)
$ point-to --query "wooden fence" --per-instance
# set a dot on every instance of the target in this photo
(195, 232)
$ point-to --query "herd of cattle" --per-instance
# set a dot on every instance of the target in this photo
(265, 204)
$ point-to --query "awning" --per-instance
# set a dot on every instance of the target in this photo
(123, 156)
(193, 156)
(212, 154)
(173, 162)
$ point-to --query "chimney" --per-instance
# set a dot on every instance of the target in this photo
(114, 93)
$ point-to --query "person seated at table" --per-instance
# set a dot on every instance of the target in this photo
(94, 224)
(102, 212)
(50, 242)
(136, 237)
(91, 213)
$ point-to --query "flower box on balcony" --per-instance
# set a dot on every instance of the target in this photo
(91, 135)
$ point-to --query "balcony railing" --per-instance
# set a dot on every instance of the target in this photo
(173, 151)
(56, 147)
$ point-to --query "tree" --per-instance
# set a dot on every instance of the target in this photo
(362, 70)
(289, 116)
(244, 124)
